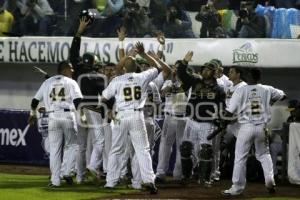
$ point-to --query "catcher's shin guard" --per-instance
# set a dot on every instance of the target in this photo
(186, 148)
(205, 162)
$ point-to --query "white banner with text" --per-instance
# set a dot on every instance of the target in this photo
(276, 53)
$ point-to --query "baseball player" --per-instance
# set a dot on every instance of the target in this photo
(173, 128)
(224, 82)
(205, 103)
(236, 76)
(61, 96)
(91, 84)
(251, 104)
(152, 100)
(130, 93)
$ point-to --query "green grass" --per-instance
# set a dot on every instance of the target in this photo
(32, 187)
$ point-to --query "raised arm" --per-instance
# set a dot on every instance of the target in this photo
(75, 46)
(166, 69)
(187, 79)
(121, 35)
(161, 46)
(141, 51)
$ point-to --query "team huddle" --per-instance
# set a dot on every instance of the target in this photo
(100, 117)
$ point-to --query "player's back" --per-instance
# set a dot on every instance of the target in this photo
(131, 89)
(58, 93)
(254, 103)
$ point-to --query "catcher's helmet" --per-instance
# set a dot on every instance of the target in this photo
(91, 60)
(90, 16)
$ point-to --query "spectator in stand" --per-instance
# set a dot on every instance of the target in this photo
(136, 22)
(249, 24)
(6, 20)
(112, 7)
(158, 10)
(211, 22)
(37, 17)
(177, 23)
(111, 17)
(145, 4)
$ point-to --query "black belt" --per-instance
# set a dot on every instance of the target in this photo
(175, 115)
(64, 110)
(203, 121)
(136, 109)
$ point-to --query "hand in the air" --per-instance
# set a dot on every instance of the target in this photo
(161, 38)
(188, 56)
(140, 48)
(153, 55)
(121, 33)
(83, 23)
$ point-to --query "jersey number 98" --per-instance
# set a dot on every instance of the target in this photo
(132, 93)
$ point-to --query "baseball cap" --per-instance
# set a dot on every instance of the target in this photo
(210, 65)
(293, 104)
(217, 62)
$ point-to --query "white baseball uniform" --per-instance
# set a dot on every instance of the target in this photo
(173, 128)
(224, 81)
(130, 92)
(232, 129)
(251, 103)
(152, 100)
(58, 93)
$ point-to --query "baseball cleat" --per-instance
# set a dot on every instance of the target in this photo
(160, 180)
(95, 176)
(271, 189)
(151, 188)
(68, 180)
(231, 192)
(109, 186)
(50, 185)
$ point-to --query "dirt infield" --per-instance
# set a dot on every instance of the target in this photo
(24, 169)
(177, 191)
(194, 191)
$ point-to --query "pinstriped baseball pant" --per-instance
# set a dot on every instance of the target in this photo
(129, 152)
(249, 134)
(173, 128)
(84, 152)
(95, 123)
(107, 143)
(131, 122)
(62, 127)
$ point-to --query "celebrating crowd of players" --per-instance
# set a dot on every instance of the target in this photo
(86, 133)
